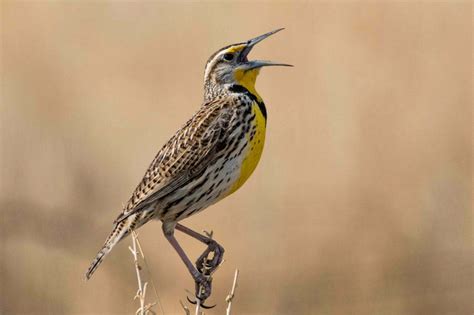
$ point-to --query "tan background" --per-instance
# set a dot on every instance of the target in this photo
(362, 201)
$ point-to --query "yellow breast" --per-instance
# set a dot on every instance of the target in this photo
(254, 151)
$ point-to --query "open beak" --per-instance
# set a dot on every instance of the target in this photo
(258, 63)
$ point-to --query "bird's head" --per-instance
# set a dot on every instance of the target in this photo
(230, 65)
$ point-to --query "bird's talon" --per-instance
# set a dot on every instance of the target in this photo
(189, 300)
(202, 305)
(203, 287)
(208, 307)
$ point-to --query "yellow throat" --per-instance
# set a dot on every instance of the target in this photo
(247, 79)
(255, 146)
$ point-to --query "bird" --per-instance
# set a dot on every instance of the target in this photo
(210, 157)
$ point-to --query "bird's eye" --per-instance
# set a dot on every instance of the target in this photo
(228, 57)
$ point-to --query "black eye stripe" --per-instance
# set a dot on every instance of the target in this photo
(228, 56)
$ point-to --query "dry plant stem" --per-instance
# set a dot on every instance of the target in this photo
(141, 293)
(151, 276)
(141, 288)
(185, 308)
(230, 297)
(198, 307)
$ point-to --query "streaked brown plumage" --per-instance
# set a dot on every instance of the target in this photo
(209, 158)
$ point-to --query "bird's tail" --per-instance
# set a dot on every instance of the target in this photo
(120, 231)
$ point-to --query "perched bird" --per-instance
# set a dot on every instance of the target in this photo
(208, 159)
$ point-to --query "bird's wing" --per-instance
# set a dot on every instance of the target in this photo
(185, 156)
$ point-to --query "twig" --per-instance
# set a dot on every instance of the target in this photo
(197, 311)
(144, 309)
(142, 253)
(185, 308)
(231, 295)
(141, 287)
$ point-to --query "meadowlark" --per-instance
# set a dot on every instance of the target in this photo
(208, 159)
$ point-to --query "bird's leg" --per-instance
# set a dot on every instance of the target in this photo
(212, 247)
(203, 284)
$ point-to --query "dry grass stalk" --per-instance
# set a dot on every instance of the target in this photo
(185, 308)
(197, 311)
(135, 249)
(231, 295)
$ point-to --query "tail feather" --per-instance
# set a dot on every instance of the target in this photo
(120, 231)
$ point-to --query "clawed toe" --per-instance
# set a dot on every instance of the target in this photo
(203, 287)
(206, 265)
(203, 290)
(202, 305)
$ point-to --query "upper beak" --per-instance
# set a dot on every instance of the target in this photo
(258, 63)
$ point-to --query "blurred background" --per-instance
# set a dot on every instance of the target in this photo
(362, 202)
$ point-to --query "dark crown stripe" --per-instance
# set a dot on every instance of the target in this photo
(220, 50)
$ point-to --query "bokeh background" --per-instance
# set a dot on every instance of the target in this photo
(362, 203)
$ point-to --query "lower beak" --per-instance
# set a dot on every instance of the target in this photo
(263, 63)
(258, 63)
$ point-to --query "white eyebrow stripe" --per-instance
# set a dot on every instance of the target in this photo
(210, 64)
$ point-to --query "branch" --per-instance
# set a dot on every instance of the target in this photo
(144, 309)
(231, 295)
(185, 308)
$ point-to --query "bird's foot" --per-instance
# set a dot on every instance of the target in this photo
(211, 258)
(203, 290)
